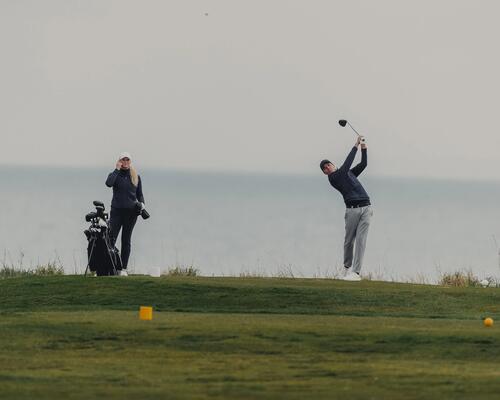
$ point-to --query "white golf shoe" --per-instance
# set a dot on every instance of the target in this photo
(351, 276)
(122, 272)
(346, 272)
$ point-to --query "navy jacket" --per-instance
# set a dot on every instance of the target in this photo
(125, 194)
(345, 180)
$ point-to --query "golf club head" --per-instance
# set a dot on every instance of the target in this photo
(90, 216)
(344, 122)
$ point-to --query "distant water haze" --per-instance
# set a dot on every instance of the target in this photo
(232, 224)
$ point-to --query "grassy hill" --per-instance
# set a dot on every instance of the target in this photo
(75, 337)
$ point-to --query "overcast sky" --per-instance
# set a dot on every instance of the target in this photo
(255, 85)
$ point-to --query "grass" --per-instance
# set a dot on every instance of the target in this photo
(181, 270)
(459, 279)
(245, 338)
(49, 269)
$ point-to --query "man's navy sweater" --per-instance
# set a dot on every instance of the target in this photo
(125, 193)
(345, 180)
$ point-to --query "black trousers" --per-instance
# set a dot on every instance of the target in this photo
(126, 218)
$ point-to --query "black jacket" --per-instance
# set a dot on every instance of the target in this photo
(125, 194)
(345, 180)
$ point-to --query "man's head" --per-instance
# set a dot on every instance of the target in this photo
(327, 167)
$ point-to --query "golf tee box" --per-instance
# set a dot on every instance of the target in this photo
(145, 313)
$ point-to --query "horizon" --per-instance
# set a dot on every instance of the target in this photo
(366, 175)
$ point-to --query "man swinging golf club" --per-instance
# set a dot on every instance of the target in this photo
(358, 207)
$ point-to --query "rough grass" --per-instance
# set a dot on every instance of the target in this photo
(70, 337)
(49, 269)
(180, 270)
(459, 279)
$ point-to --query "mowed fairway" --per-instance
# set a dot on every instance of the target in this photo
(65, 337)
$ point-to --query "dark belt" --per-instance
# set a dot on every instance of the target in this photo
(366, 204)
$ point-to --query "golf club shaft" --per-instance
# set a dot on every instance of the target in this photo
(353, 129)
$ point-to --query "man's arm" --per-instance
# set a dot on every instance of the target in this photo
(364, 162)
(350, 158)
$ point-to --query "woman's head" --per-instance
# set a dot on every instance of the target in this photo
(126, 164)
(125, 160)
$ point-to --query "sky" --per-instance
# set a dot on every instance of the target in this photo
(253, 86)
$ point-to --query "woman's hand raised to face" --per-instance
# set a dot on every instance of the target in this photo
(119, 164)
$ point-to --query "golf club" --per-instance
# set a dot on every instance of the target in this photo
(344, 122)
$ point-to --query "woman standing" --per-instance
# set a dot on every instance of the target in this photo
(127, 200)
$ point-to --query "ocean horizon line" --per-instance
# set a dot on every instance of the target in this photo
(235, 173)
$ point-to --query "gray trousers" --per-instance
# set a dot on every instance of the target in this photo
(357, 222)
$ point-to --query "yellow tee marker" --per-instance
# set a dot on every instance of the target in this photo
(488, 322)
(145, 313)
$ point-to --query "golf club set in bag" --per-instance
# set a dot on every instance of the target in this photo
(103, 257)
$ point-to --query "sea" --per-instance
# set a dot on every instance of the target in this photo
(242, 224)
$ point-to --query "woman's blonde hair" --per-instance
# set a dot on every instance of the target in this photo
(134, 176)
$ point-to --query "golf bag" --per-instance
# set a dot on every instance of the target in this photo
(103, 258)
